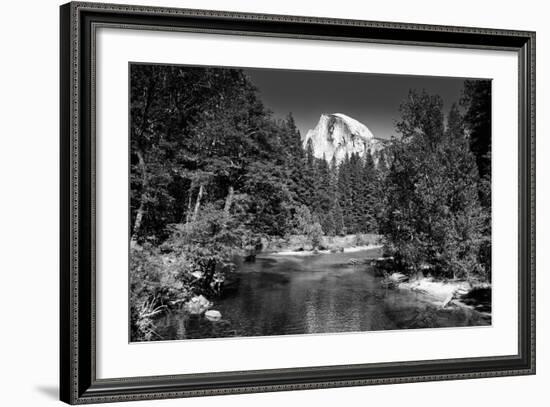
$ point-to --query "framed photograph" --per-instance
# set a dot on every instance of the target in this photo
(255, 203)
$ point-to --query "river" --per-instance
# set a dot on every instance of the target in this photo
(280, 295)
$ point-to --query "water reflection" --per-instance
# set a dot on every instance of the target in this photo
(280, 295)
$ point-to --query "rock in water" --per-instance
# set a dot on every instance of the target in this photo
(213, 315)
(337, 135)
(197, 305)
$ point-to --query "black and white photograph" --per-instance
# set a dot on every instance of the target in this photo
(286, 202)
(290, 203)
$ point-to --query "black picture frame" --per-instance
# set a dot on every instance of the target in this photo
(78, 382)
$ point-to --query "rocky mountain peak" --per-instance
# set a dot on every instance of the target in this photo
(337, 135)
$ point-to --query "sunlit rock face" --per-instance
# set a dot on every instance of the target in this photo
(338, 135)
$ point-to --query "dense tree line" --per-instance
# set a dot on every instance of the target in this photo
(436, 212)
(202, 142)
(201, 139)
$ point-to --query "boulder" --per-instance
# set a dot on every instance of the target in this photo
(197, 305)
(213, 315)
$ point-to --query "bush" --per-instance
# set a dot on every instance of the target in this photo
(304, 224)
(157, 282)
(315, 235)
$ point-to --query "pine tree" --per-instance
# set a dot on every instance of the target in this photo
(476, 100)
(345, 193)
(355, 174)
(335, 210)
(195, 133)
(309, 176)
(469, 204)
(291, 146)
(433, 215)
(323, 200)
(369, 195)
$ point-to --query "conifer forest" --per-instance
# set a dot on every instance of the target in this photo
(242, 223)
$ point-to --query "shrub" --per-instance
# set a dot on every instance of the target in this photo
(157, 282)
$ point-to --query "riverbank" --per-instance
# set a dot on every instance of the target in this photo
(335, 292)
(300, 245)
(353, 249)
(446, 293)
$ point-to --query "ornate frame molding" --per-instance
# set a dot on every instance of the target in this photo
(79, 21)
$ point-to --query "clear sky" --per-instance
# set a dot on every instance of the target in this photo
(372, 99)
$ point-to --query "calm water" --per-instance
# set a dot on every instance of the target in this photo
(280, 295)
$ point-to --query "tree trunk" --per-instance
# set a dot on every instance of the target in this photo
(189, 205)
(198, 202)
(141, 209)
(229, 200)
(141, 163)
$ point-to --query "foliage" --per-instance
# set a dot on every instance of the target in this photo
(209, 244)
(315, 235)
(433, 217)
(476, 100)
(193, 133)
(157, 282)
(199, 133)
(304, 223)
(359, 193)
(272, 203)
(302, 220)
(212, 172)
